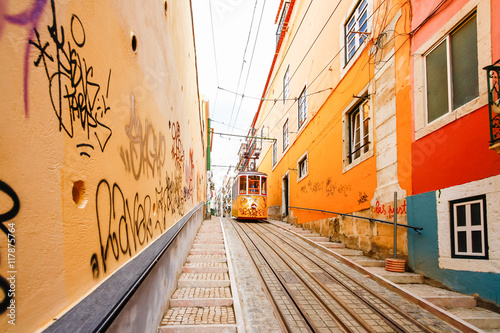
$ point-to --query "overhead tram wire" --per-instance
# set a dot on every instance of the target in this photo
(243, 60)
(215, 56)
(251, 60)
(227, 125)
(271, 99)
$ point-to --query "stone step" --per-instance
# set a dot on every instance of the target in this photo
(206, 280)
(203, 283)
(209, 234)
(332, 245)
(219, 292)
(300, 230)
(206, 258)
(479, 317)
(209, 237)
(396, 277)
(347, 252)
(214, 328)
(187, 269)
(318, 238)
(205, 242)
(207, 252)
(441, 297)
(199, 319)
(200, 302)
(368, 262)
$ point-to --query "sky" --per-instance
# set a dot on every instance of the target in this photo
(233, 59)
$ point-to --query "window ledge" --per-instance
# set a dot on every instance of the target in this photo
(358, 161)
(450, 117)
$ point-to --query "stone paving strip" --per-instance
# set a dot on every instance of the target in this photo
(203, 301)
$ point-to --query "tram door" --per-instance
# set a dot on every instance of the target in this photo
(284, 195)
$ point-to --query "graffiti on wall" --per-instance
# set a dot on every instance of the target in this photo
(147, 150)
(30, 19)
(177, 148)
(126, 223)
(363, 197)
(388, 210)
(329, 186)
(8, 285)
(79, 101)
(190, 171)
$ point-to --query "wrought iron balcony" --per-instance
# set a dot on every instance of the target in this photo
(493, 76)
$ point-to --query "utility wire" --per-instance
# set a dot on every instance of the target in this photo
(251, 59)
(243, 61)
(271, 99)
(215, 55)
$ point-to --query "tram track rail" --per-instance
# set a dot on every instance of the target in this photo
(349, 305)
(357, 289)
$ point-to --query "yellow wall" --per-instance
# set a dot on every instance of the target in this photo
(103, 146)
(366, 188)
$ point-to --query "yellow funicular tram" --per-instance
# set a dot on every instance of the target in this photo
(249, 197)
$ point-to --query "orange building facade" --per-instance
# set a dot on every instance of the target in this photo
(337, 102)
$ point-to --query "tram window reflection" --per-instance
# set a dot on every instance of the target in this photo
(253, 184)
(243, 184)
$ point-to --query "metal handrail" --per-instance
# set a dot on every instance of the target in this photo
(417, 229)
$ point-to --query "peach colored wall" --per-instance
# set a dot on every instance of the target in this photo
(103, 146)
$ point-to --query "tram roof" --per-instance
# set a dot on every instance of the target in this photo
(251, 173)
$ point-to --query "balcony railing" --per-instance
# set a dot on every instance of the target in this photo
(493, 76)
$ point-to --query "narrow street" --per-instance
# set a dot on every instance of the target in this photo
(261, 276)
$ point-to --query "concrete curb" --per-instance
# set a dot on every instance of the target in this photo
(238, 313)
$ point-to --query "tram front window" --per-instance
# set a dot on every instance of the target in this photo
(243, 184)
(263, 185)
(253, 184)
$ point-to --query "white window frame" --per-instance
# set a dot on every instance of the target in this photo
(346, 64)
(346, 133)
(468, 228)
(355, 32)
(275, 152)
(487, 186)
(302, 108)
(483, 20)
(286, 84)
(286, 140)
(303, 159)
(359, 120)
(449, 73)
